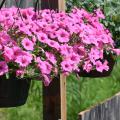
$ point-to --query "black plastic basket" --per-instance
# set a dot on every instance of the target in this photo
(95, 73)
(13, 91)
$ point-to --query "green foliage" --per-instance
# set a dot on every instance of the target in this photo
(111, 9)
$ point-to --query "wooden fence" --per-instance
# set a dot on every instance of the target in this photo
(21, 3)
(108, 110)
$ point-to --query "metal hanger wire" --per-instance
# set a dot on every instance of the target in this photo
(2, 3)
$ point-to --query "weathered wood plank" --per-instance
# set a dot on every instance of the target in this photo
(21, 3)
(108, 110)
(49, 4)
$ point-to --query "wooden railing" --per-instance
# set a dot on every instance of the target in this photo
(107, 110)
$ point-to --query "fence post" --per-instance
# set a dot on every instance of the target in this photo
(54, 96)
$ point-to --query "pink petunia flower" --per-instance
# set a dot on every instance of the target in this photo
(51, 57)
(66, 49)
(62, 35)
(3, 68)
(105, 65)
(46, 80)
(20, 72)
(52, 27)
(100, 14)
(117, 51)
(23, 60)
(45, 67)
(42, 37)
(95, 54)
(99, 66)
(74, 58)
(80, 50)
(27, 44)
(17, 51)
(1, 47)
(102, 66)
(87, 66)
(53, 44)
(52, 35)
(66, 66)
(4, 38)
(8, 54)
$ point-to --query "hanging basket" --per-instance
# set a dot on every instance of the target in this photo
(95, 73)
(13, 91)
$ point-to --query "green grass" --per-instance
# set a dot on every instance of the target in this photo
(81, 94)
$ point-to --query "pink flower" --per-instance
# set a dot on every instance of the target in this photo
(99, 66)
(102, 66)
(20, 72)
(37, 59)
(53, 44)
(45, 67)
(80, 50)
(17, 51)
(27, 44)
(66, 49)
(85, 39)
(8, 54)
(74, 28)
(52, 27)
(42, 37)
(46, 80)
(100, 14)
(74, 66)
(105, 65)
(3, 68)
(52, 35)
(34, 40)
(87, 66)
(74, 58)
(95, 54)
(51, 57)
(62, 35)
(0, 47)
(27, 54)
(84, 13)
(117, 51)
(66, 66)
(4, 38)
(23, 60)
(104, 38)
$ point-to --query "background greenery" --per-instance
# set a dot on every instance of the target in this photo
(82, 93)
(111, 9)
